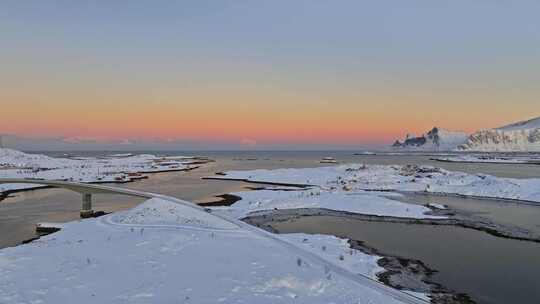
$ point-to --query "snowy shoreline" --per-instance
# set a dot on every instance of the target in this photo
(491, 159)
(121, 168)
(408, 275)
(410, 178)
(377, 191)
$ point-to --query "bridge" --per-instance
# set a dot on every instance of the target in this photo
(86, 190)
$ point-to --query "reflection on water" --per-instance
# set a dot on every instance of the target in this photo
(490, 269)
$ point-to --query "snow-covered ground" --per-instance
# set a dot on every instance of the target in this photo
(364, 202)
(355, 177)
(119, 168)
(483, 158)
(167, 252)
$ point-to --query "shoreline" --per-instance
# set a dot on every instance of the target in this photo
(465, 196)
(307, 186)
(246, 180)
(280, 215)
(8, 193)
(400, 272)
(223, 200)
(484, 162)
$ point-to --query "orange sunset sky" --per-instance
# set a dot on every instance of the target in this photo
(264, 73)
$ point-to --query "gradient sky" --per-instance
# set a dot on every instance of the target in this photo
(264, 73)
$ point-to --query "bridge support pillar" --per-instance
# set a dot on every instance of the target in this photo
(86, 210)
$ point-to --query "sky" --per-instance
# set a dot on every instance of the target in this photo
(262, 74)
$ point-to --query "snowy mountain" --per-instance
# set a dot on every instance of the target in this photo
(520, 136)
(435, 140)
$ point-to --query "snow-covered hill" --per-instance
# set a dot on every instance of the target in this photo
(435, 140)
(165, 251)
(520, 136)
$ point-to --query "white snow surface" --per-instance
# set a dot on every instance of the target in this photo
(50, 225)
(486, 158)
(16, 164)
(148, 255)
(520, 136)
(355, 177)
(158, 212)
(363, 202)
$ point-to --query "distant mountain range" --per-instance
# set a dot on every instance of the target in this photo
(519, 136)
